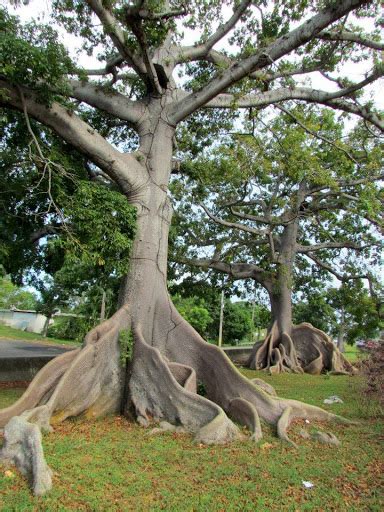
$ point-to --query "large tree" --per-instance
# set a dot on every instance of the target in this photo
(141, 46)
(298, 193)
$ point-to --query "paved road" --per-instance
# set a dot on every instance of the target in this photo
(13, 349)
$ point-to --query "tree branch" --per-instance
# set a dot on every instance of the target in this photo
(41, 233)
(234, 225)
(113, 103)
(146, 14)
(124, 169)
(234, 270)
(223, 30)
(254, 218)
(115, 32)
(345, 184)
(330, 99)
(135, 22)
(340, 277)
(262, 58)
(201, 51)
(344, 35)
(305, 249)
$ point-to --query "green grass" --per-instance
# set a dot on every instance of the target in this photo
(114, 465)
(17, 334)
(353, 354)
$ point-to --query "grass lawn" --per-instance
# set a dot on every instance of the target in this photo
(17, 334)
(114, 465)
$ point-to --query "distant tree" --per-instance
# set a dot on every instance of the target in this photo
(357, 314)
(299, 196)
(194, 310)
(14, 296)
(237, 323)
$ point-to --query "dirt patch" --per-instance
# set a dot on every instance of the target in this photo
(15, 384)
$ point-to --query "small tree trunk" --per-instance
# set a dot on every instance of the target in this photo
(46, 325)
(341, 333)
(102, 309)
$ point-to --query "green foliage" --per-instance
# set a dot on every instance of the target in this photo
(126, 346)
(70, 328)
(237, 322)
(97, 244)
(32, 56)
(278, 178)
(195, 311)
(14, 296)
(316, 310)
(358, 309)
(80, 252)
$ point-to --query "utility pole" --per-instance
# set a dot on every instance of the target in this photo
(221, 319)
(102, 311)
(253, 319)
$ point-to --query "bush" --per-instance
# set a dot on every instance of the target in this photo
(70, 328)
(373, 371)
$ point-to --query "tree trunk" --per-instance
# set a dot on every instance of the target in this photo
(169, 357)
(281, 300)
(298, 349)
(290, 348)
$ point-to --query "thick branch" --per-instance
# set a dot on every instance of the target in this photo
(113, 103)
(223, 30)
(146, 14)
(254, 218)
(122, 168)
(41, 233)
(304, 94)
(343, 184)
(350, 37)
(282, 46)
(305, 249)
(234, 270)
(203, 51)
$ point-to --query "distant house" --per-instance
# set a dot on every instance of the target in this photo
(26, 320)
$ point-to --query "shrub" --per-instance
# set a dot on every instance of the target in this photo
(373, 371)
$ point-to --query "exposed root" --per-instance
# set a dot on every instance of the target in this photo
(225, 385)
(164, 426)
(157, 395)
(83, 381)
(307, 349)
(246, 414)
(41, 387)
(264, 386)
(185, 376)
(326, 438)
(162, 383)
(322, 437)
(23, 448)
(283, 424)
